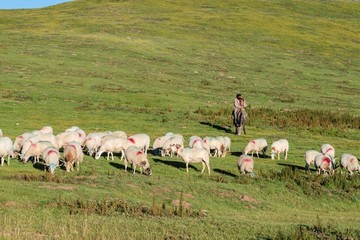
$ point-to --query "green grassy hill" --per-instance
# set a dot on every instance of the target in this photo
(158, 66)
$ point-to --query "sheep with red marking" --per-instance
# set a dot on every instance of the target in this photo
(64, 138)
(195, 155)
(137, 158)
(256, 145)
(73, 154)
(324, 164)
(46, 137)
(350, 163)
(310, 158)
(92, 143)
(278, 147)
(111, 146)
(245, 164)
(35, 150)
(6, 146)
(19, 141)
(196, 142)
(51, 157)
(328, 150)
(140, 140)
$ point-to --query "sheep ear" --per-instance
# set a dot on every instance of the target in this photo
(142, 163)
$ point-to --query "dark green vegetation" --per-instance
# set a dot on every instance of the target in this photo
(159, 66)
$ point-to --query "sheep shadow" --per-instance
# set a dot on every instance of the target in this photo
(117, 165)
(296, 167)
(226, 129)
(237, 154)
(223, 172)
(175, 164)
(39, 166)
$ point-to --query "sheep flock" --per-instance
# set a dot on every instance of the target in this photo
(69, 147)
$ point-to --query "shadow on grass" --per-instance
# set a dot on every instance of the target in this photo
(118, 165)
(293, 167)
(238, 154)
(39, 166)
(175, 164)
(226, 129)
(223, 172)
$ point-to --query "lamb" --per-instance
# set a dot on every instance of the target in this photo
(245, 165)
(280, 146)
(140, 140)
(324, 164)
(349, 162)
(111, 146)
(51, 157)
(137, 158)
(194, 155)
(256, 145)
(310, 158)
(73, 155)
(6, 146)
(35, 150)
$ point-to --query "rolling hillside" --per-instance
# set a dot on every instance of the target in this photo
(175, 66)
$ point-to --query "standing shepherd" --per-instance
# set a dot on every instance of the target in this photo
(239, 114)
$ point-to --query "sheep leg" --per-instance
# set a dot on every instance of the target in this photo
(257, 154)
(187, 167)
(203, 167)
(2, 161)
(133, 167)
(8, 161)
(108, 154)
(286, 154)
(208, 167)
(112, 156)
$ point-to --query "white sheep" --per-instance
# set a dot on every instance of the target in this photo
(119, 133)
(1, 133)
(245, 165)
(47, 129)
(227, 143)
(324, 164)
(51, 157)
(137, 158)
(172, 145)
(111, 146)
(256, 145)
(213, 144)
(196, 142)
(310, 158)
(328, 150)
(64, 138)
(92, 143)
(35, 150)
(19, 141)
(194, 155)
(73, 154)
(6, 146)
(278, 147)
(349, 162)
(140, 140)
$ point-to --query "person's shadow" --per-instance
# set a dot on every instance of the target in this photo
(226, 129)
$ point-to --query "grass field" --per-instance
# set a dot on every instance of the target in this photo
(159, 66)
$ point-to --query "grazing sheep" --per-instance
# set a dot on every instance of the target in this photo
(73, 154)
(280, 146)
(350, 163)
(227, 144)
(51, 157)
(159, 143)
(137, 158)
(213, 144)
(172, 145)
(119, 133)
(310, 158)
(328, 150)
(196, 142)
(64, 138)
(245, 165)
(256, 145)
(6, 146)
(140, 140)
(111, 146)
(324, 164)
(35, 150)
(19, 141)
(92, 143)
(194, 155)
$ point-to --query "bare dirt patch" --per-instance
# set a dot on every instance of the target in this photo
(247, 198)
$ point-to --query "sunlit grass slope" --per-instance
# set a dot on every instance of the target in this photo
(158, 66)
